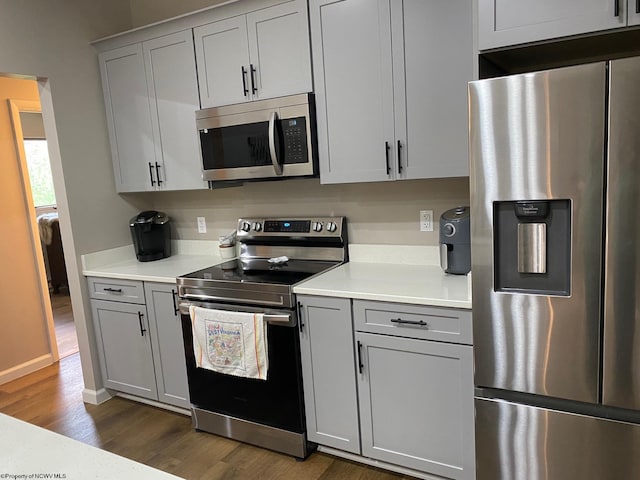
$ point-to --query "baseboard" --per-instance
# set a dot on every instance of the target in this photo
(25, 368)
(95, 397)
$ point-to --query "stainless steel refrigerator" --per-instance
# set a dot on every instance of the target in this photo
(555, 213)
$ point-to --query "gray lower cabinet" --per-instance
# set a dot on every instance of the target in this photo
(391, 382)
(329, 374)
(167, 343)
(416, 404)
(139, 338)
(415, 386)
(124, 347)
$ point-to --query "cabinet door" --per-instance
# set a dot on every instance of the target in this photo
(633, 12)
(126, 100)
(416, 404)
(173, 93)
(124, 347)
(279, 50)
(510, 22)
(168, 346)
(433, 62)
(351, 42)
(222, 56)
(328, 372)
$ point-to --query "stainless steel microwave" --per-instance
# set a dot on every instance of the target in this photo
(264, 139)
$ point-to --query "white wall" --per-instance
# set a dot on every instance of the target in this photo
(50, 39)
(382, 213)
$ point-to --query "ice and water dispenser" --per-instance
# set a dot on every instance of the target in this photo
(532, 246)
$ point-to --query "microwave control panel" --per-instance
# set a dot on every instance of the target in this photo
(295, 140)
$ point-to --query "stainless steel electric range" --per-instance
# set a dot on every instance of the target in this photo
(274, 254)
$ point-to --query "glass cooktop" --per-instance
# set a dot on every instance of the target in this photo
(259, 270)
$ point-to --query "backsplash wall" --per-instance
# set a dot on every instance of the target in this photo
(378, 213)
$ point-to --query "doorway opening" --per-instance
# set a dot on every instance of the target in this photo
(33, 156)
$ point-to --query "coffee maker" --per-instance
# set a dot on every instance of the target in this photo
(151, 234)
(455, 241)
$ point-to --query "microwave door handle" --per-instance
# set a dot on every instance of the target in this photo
(272, 143)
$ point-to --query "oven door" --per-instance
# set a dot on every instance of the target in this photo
(263, 139)
(277, 402)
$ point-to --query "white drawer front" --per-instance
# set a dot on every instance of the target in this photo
(413, 321)
(118, 290)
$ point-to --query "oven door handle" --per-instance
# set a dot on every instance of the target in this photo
(281, 319)
(277, 166)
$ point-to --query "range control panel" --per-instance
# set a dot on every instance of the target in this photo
(291, 227)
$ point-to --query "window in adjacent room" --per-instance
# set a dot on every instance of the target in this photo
(38, 164)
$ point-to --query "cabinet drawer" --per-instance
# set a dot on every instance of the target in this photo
(413, 321)
(118, 290)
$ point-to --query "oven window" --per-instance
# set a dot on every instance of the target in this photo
(236, 146)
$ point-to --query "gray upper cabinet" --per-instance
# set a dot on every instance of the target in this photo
(168, 345)
(328, 372)
(390, 81)
(126, 101)
(173, 96)
(151, 95)
(512, 22)
(262, 54)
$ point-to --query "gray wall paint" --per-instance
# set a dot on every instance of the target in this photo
(50, 39)
(144, 12)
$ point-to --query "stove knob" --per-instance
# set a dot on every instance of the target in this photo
(257, 226)
(245, 227)
(316, 226)
(332, 227)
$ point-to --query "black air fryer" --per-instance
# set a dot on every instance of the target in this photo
(151, 234)
(455, 241)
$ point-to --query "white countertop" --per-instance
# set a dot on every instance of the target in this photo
(186, 257)
(392, 274)
(28, 451)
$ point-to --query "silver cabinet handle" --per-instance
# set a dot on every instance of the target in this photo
(410, 322)
(272, 143)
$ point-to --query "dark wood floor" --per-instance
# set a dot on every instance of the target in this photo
(51, 398)
(66, 337)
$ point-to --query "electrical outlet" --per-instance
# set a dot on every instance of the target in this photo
(426, 220)
(202, 225)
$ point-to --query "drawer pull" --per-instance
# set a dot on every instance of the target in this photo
(114, 290)
(410, 322)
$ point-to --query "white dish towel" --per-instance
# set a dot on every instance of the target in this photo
(233, 343)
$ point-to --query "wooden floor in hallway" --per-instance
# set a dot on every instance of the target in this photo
(65, 328)
(51, 398)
